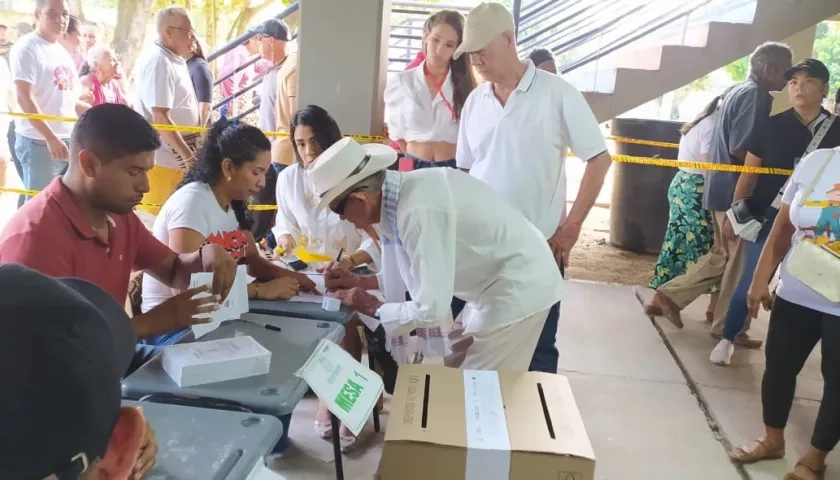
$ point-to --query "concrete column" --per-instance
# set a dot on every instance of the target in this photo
(802, 45)
(343, 60)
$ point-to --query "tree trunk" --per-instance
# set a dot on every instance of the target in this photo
(77, 10)
(132, 18)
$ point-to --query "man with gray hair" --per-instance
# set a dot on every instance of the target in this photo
(744, 109)
(165, 93)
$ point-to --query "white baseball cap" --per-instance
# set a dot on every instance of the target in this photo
(485, 23)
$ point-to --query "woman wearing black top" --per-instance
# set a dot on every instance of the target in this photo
(202, 81)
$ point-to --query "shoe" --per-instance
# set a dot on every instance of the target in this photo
(722, 354)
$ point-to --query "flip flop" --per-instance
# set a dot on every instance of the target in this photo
(641, 299)
(323, 430)
(757, 452)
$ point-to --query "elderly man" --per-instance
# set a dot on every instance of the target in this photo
(165, 93)
(744, 110)
(443, 234)
(516, 130)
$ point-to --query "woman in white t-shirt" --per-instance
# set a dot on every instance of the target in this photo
(423, 105)
(209, 207)
(800, 317)
(313, 130)
(689, 233)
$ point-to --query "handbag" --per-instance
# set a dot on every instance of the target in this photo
(817, 266)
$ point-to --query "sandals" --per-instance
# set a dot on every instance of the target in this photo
(660, 306)
(324, 431)
(757, 452)
(804, 472)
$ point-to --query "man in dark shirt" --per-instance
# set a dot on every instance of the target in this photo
(780, 143)
(743, 110)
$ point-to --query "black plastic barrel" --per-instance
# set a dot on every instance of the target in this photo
(639, 207)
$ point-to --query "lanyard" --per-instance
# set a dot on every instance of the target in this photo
(439, 91)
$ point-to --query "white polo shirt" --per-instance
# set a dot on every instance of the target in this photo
(163, 81)
(519, 149)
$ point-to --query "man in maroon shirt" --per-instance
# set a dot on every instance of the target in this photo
(82, 224)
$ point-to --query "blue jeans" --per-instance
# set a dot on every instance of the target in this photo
(418, 163)
(546, 356)
(737, 312)
(37, 164)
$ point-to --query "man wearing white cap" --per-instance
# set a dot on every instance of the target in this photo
(516, 130)
(443, 234)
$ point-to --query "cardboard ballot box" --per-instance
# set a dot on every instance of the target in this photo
(483, 425)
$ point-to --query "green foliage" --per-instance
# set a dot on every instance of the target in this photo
(738, 69)
(827, 50)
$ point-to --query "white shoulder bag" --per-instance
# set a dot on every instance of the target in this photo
(817, 266)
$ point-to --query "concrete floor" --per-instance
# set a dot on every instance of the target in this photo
(642, 417)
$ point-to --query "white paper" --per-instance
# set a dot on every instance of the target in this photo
(488, 441)
(198, 363)
(311, 297)
(349, 388)
(231, 307)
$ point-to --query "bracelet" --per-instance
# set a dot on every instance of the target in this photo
(257, 290)
(201, 255)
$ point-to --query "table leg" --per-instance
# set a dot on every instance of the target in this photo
(336, 440)
(375, 407)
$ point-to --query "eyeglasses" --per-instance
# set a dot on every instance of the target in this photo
(190, 33)
(338, 207)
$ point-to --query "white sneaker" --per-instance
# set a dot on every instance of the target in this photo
(722, 354)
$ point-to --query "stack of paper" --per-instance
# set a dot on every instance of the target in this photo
(198, 363)
(231, 307)
(748, 231)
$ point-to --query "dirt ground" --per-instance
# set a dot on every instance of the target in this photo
(595, 259)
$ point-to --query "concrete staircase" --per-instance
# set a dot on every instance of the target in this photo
(651, 67)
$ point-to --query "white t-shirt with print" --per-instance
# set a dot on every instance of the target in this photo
(163, 81)
(193, 206)
(817, 220)
(55, 82)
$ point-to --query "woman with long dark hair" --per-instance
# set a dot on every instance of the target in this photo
(202, 80)
(689, 233)
(209, 206)
(313, 130)
(423, 105)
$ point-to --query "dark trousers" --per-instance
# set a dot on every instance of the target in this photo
(793, 333)
(546, 356)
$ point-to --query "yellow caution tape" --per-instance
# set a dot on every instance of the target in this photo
(661, 162)
(358, 138)
(180, 128)
(822, 204)
(649, 143)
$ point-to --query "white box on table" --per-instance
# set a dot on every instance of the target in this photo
(214, 361)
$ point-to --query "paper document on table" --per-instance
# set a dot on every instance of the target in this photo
(311, 297)
(232, 307)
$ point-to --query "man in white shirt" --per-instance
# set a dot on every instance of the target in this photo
(448, 235)
(46, 82)
(516, 130)
(165, 93)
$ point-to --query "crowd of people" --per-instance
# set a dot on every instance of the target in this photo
(467, 253)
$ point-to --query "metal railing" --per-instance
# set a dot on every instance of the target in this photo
(578, 32)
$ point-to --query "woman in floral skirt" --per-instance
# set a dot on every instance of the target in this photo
(689, 234)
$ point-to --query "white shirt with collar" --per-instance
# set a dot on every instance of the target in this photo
(520, 149)
(413, 115)
(163, 81)
(462, 239)
(325, 233)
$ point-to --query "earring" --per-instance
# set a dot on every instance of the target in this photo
(227, 178)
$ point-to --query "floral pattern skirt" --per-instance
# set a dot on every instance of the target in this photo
(689, 234)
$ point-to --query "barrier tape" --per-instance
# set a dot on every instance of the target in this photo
(358, 138)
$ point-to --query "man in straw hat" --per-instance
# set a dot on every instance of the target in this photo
(444, 233)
